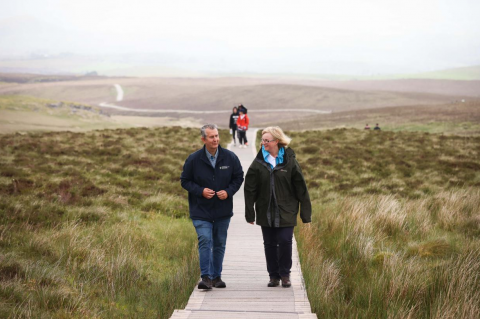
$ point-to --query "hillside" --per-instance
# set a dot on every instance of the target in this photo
(458, 89)
(221, 94)
(164, 64)
(452, 118)
(465, 73)
(29, 114)
(41, 78)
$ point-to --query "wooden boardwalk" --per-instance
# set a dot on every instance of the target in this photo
(245, 273)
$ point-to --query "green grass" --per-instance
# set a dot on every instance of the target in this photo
(95, 225)
(408, 164)
(396, 224)
(461, 128)
(39, 105)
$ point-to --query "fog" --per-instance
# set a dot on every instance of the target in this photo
(336, 37)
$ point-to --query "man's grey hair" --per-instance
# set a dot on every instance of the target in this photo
(209, 126)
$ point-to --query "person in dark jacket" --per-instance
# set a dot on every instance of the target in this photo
(211, 175)
(233, 124)
(274, 190)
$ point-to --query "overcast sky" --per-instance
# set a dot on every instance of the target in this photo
(262, 35)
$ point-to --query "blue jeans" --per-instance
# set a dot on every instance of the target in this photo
(212, 239)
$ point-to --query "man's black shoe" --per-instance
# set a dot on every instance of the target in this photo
(218, 283)
(206, 283)
(274, 282)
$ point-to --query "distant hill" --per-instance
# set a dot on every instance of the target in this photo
(132, 65)
(457, 118)
(37, 78)
(461, 89)
(276, 100)
(465, 73)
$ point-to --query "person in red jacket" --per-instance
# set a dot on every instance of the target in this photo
(242, 127)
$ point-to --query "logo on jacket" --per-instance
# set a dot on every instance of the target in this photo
(283, 170)
(224, 167)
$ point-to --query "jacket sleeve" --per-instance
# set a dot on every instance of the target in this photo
(237, 177)
(301, 192)
(186, 178)
(230, 123)
(250, 191)
(247, 121)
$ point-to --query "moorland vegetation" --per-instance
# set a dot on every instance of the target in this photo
(94, 225)
(396, 224)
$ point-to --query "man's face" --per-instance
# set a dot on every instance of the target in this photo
(212, 139)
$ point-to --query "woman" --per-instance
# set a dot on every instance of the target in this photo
(233, 124)
(242, 127)
(274, 184)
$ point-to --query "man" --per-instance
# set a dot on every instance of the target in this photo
(211, 175)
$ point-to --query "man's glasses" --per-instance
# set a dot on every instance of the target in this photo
(267, 141)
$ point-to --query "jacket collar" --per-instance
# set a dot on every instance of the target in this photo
(286, 157)
(204, 157)
(279, 158)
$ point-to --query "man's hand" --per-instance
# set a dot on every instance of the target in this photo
(208, 193)
(222, 195)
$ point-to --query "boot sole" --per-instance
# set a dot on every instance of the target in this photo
(203, 286)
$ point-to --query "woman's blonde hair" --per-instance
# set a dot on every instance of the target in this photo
(278, 134)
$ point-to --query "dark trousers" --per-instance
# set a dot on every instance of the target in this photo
(234, 132)
(278, 250)
(242, 137)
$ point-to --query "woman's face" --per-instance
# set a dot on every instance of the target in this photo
(269, 142)
(234, 110)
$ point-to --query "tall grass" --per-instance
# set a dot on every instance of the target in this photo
(95, 225)
(396, 224)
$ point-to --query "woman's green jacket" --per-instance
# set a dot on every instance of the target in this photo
(274, 196)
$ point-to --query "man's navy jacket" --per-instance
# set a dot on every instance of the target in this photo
(198, 174)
